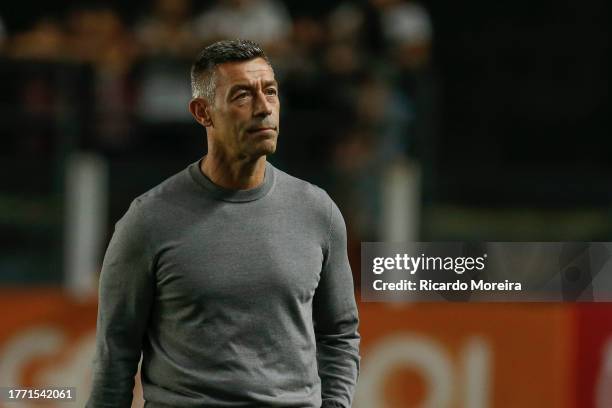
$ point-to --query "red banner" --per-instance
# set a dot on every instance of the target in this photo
(425, 355)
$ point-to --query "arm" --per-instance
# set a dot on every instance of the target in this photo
(336, 320)
(125, 296)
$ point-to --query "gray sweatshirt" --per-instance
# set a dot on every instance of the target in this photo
(236, 298)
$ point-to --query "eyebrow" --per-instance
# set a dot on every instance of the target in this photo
(239, 87)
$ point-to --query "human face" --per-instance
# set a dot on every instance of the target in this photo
(245, 114)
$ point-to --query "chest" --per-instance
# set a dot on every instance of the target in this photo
(239, 259)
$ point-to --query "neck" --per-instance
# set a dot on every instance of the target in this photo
(241, 173)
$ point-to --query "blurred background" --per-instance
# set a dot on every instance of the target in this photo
(430, 121)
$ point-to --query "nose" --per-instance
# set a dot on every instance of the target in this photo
(262, 107)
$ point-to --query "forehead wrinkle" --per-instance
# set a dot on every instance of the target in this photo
(252, 79)
(247, 74)
(224, 78)
(255, 70)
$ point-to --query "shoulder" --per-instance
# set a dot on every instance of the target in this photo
(320, 211)
(160, 199)
(307, 193)
(312, 199)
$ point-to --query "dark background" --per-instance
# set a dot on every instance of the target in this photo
(523, 97)
(517, 142)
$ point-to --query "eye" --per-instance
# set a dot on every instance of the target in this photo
(271, 91)
(241, 95)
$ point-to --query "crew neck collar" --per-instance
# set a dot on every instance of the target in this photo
(224, 194)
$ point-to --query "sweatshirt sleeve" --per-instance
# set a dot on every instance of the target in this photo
(336, 320)
(125, 296)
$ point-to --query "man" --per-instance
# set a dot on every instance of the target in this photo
(231, 277)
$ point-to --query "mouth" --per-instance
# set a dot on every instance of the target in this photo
(262, 129)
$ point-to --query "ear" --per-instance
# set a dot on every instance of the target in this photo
(200, 110)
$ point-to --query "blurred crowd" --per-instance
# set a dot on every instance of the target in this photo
(355, 81)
